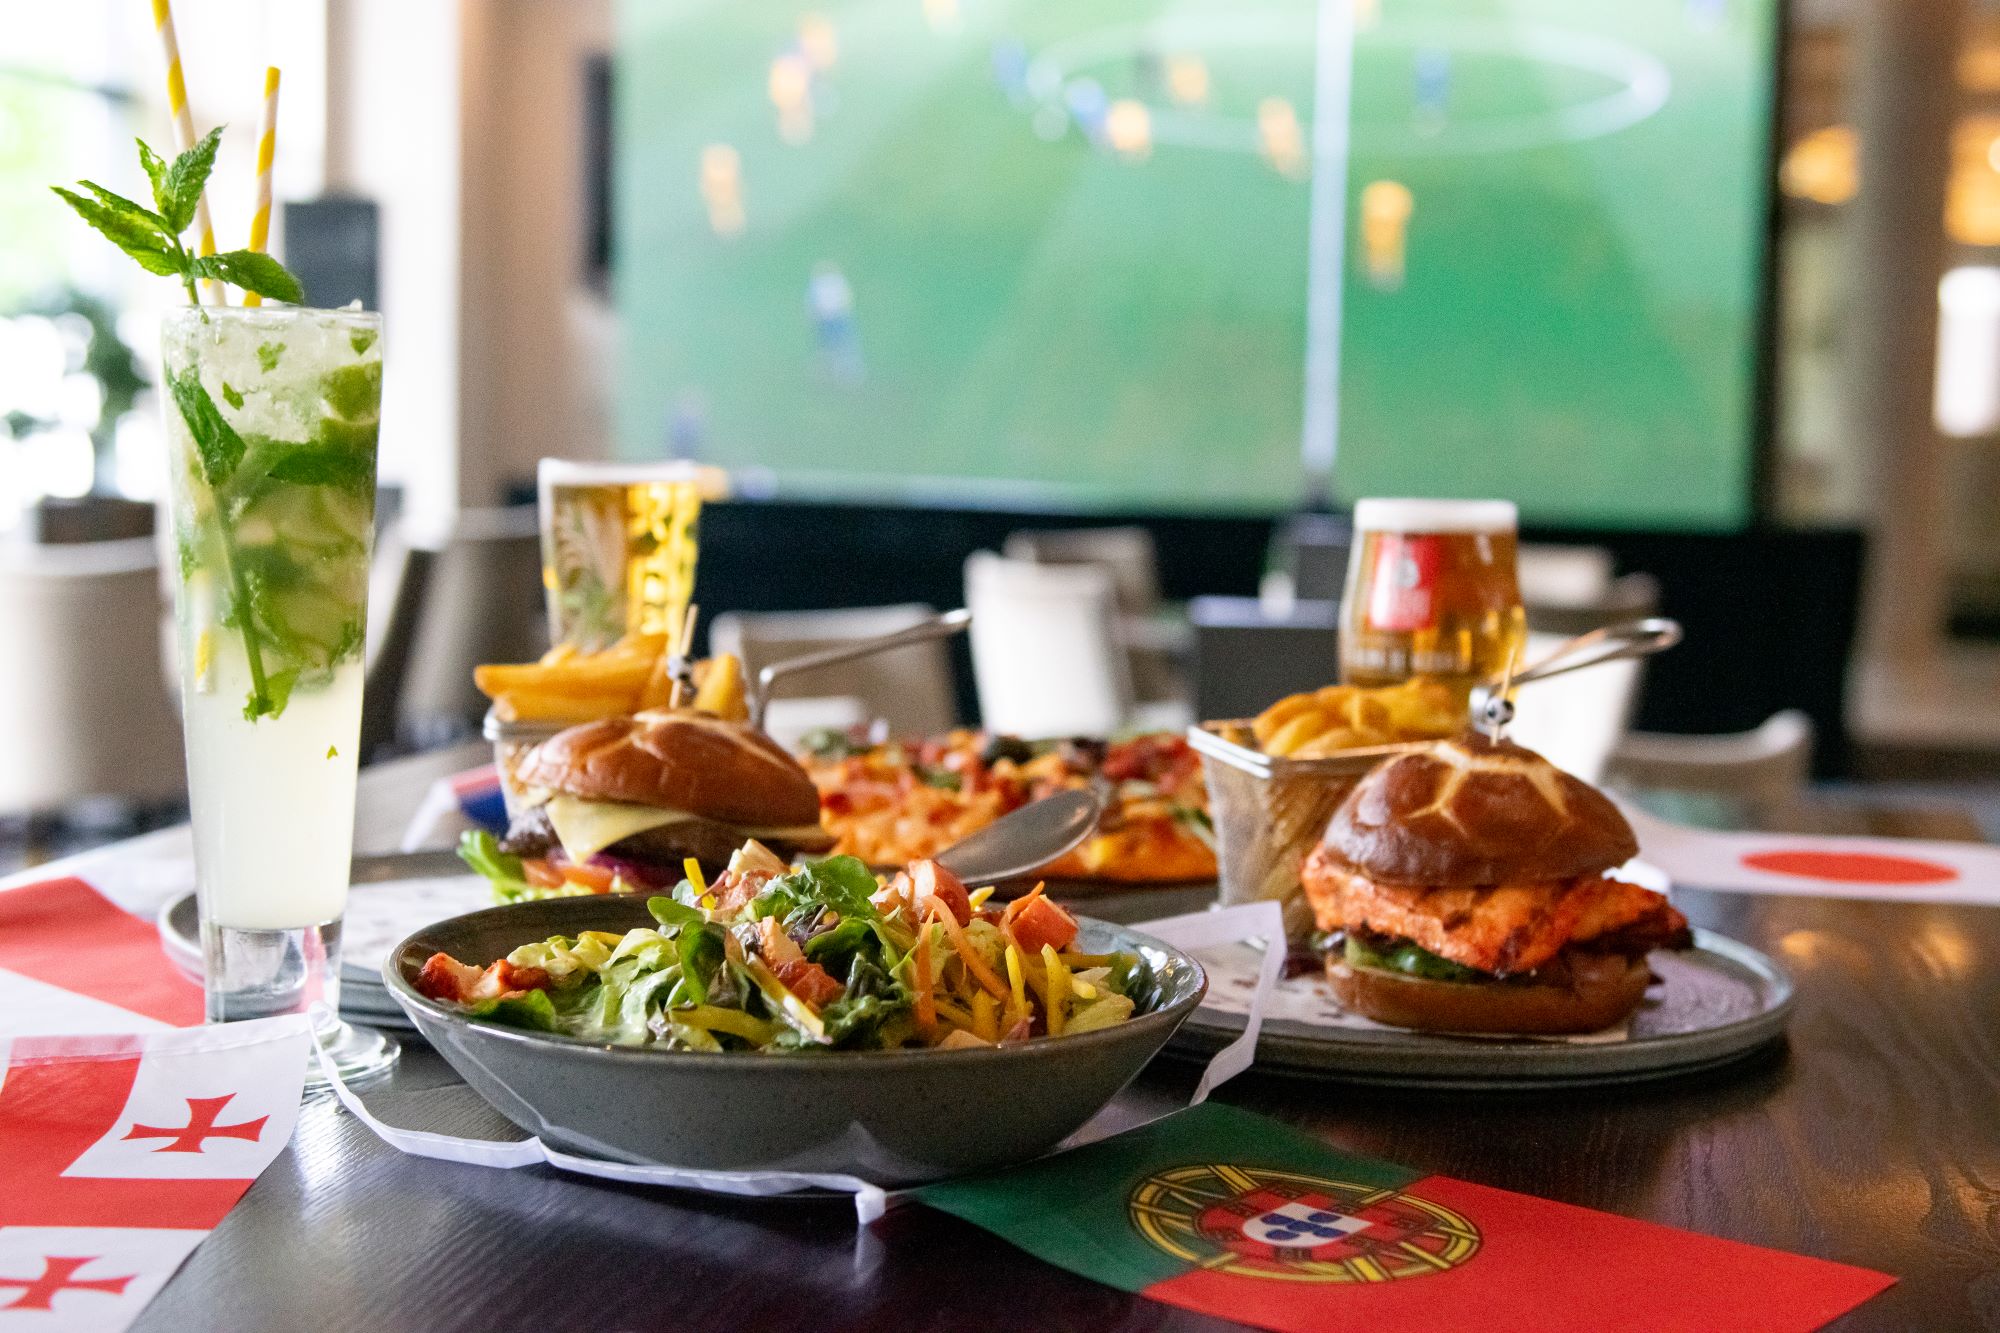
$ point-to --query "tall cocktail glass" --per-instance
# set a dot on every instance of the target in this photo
(271, 421)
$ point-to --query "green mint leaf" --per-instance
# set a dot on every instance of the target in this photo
(220, 447)
(362, 339)
(253, 271)
(156, 172)
(268, 354)
(231, 396)
(186, 179)
(322, 464)
(270, 701)
(119, 203)
(131, 229)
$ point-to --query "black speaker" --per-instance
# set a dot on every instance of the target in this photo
(334, 246)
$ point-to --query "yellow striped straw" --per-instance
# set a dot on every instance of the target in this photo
(177, 110)
(267, 148)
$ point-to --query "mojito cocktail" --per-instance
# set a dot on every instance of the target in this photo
(271, 417)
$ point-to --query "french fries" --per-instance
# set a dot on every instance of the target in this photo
(1344, 717)
(568, 687)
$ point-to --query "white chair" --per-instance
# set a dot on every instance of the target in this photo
(1575, 720)
(1765, 768)
(909, 688)
(1566, 576)
(1045, 651)
(83, 708)
(1152, 641)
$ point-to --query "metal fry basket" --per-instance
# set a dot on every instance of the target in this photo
(1269, 812)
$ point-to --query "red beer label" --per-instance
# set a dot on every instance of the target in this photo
(1402, 595)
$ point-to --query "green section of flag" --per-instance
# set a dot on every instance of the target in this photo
(1073, 1209)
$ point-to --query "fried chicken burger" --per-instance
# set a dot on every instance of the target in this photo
(1467, 887)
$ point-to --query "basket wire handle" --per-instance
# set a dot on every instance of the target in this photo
(938, 627)
(1493, 704)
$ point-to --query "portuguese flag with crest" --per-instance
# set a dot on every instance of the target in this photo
(1232, 1214)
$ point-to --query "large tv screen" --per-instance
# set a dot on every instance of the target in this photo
(1197, 255)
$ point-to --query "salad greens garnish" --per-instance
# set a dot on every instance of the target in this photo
(821, 956)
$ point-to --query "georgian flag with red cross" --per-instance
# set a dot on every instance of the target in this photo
(125, 1134)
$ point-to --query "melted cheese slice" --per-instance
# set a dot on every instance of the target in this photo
(586, 828)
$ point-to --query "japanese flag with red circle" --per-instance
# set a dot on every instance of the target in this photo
(118, 1153)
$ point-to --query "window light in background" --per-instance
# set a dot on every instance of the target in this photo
(1968, 360)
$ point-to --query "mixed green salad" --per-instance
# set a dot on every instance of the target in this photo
(822, 956)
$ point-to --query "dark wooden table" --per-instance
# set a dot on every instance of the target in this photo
(1874, 1139)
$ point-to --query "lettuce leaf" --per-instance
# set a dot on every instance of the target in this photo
(842, 883)
(481, 850)
(529, 1009)
(1412, 960)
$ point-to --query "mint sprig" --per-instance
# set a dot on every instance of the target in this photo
(152, 236)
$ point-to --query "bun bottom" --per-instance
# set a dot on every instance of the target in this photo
(1600, 990)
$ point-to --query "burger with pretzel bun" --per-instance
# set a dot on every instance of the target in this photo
(1467, 887)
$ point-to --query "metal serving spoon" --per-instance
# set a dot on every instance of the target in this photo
(1032, 836)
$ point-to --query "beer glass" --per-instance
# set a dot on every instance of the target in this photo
(1432, 591)
(619, 546)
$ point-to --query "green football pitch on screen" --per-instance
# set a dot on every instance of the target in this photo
(1059, 252)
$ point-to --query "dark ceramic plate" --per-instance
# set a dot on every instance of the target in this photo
(892, 1117)
(1717, 1002)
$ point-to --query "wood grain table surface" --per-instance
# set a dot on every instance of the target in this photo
(1873, 1137)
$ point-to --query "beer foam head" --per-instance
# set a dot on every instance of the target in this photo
(1435, 516)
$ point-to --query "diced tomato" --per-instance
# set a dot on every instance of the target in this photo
(930, 880)
(445, 978)
(836, 802)
(1042, 922)
(541, 874)
(598, 879)
(810, 982)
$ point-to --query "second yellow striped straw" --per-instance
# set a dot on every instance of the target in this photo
(183, 122)
(267, 149)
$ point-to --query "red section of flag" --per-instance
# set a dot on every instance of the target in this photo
(50, 1113)
(1851, 867)
(67, 934)
(59, 1274)
(203, 1112)
(1544, 1267)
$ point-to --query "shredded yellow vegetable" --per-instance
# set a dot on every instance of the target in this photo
(692, 868)
(954, 1015)
(1019, 1010)
(926, 1005)
(1056, 1001)
(714, 1018)
(978, 897)
(985, 1016)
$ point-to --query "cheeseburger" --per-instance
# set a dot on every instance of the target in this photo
(632, 798)
(1466, 887)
